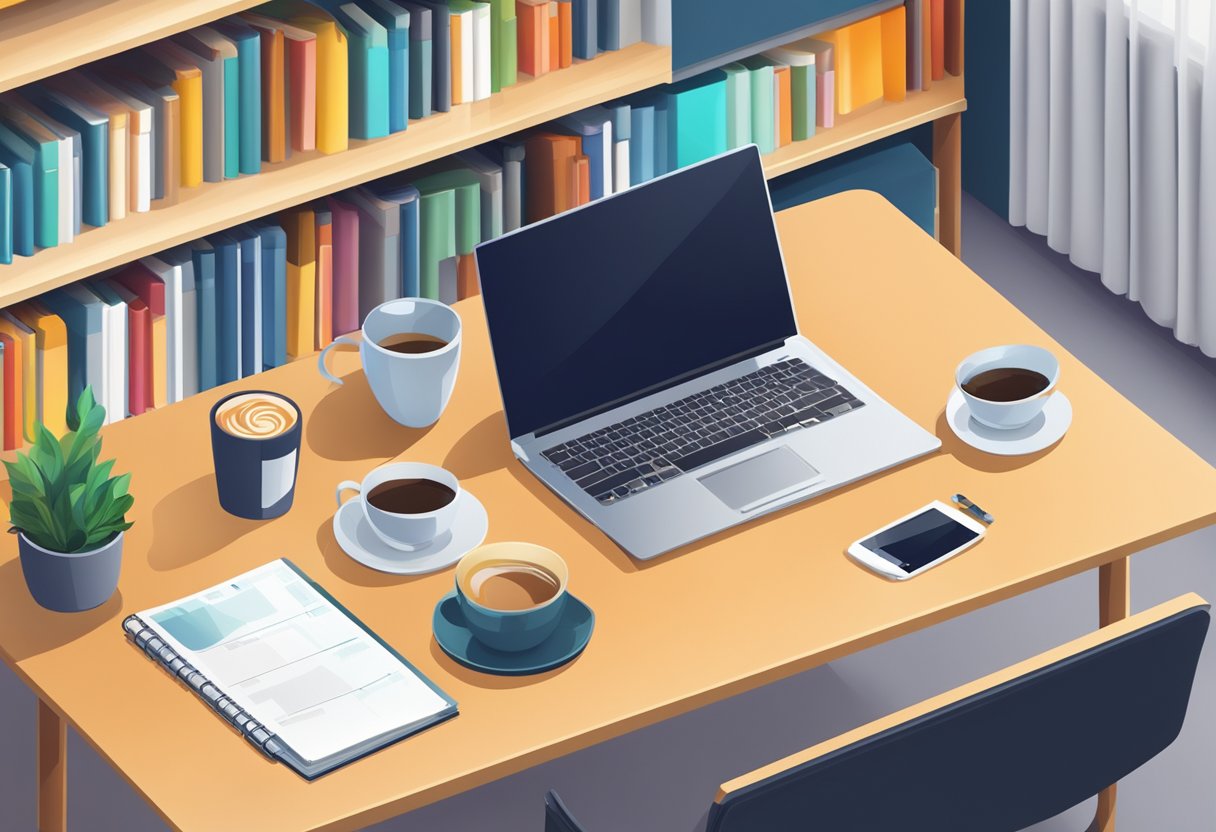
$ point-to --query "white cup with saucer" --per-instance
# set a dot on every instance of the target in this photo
(408, 518)
(1005, 400)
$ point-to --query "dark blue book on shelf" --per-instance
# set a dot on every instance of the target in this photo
(441, 54)
(6, 215)
(421, 63)
(227, 307)
(18, 157)
(94, 129)
(609, 25)
(274, 293)
(396, 21)
(586, 28)
(249, 70)
(250, 242)
(204, 255)
(80, 321)
(406, 196)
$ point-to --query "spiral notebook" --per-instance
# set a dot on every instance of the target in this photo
(303, 680)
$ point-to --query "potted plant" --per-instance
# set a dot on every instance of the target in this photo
(69, 513)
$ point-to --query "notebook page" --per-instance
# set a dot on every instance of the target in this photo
(293, 660)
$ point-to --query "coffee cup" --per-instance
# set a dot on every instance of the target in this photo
(410, 353)
(1007, 387)
(407, 504)
(512, 594)
(255, 445)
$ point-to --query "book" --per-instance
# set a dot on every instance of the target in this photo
(13, 326)
(88, 97)
(20, 129)
(763, 118)
(274, 623)
(93, 127)
(476, 42)
(642, 141)
(489, 175)
(952, 32)
(299, 82)
(437, 239)
(738, 105)
(144, 284)
(533, 17)
(166, 125)
(441, 55)
(555, 37)
(332, 70)
(174, 358)
(139, 349)
(858, 62)
(115, 324)
(800, 58)
(825, 82)
(51, 364)
(249, 63)
(586, 28)
(11, 381)
(274, 292)
(367, 44)
(324, 325)
(401, 193)
(167, 63)
(565, 29)
(512, 155)
(894, 54)
(937, 37)
(250, 308)
(503, 44)
(395, 19)
(622, 131)
(696, 118)
(594, 127)
(421, 60)
(81, 314)
(783, 126)
(300, 226)
(345, 220)
(379, 249)
(142, 139)
(620, 23)
(69, 163)
(460, 23)
(181, 302)
(219, 64)
(228, 318)
(914, 49)
(6, 215)
(549, 170)
(203, 255)
(275, 143)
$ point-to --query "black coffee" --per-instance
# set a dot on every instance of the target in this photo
(412, 343)
(1006, 384)
(410, 496)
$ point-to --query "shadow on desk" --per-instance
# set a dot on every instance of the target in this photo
(979, 460)
(349, 424)
(483, 449)
(188, 524)
(17, 608)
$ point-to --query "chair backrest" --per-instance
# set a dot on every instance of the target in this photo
(557, 816)
(1000, 754)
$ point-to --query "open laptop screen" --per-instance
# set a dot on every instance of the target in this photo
(634, 292)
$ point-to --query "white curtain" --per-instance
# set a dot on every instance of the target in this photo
(1112, 137)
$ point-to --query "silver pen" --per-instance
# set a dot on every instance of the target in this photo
(972, 509)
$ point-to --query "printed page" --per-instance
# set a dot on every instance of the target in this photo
(298, 664)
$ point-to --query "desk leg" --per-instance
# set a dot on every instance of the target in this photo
(948, 159)
(52, 771)
(1114, 604)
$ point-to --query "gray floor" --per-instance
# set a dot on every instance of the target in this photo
(663, 778)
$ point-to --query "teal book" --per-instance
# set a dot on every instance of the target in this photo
(368, 77)
(249, 73)
(696, 119)
(6, 215)
(94, 129)
(449, 174)
(761, 70)
(661, 144)
(738, 105)
(396, 22)
(436, 238)
(420, 59)
(17, 130)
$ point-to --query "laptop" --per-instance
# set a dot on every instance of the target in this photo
(651, 368)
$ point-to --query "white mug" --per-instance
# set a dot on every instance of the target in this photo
(1008, 415)
(413, 389)
(405, 532)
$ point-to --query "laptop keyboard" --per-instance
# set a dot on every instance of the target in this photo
(618, 461)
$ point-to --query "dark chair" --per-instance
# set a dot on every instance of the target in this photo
(996, 755)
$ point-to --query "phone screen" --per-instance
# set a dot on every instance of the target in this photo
(920, 540)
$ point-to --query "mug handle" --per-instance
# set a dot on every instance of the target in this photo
(341, 339)
(347, 485)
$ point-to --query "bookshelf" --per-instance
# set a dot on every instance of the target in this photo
(218, 205)
(45, 37)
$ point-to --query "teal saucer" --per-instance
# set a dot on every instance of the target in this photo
(572, 634)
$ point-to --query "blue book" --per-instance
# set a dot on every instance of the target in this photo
(420, 60)
(250, 242)
(249, 68)
(44, 163)
(94, 129)
(641, 143)
(6, 215)
(274, 293)
(18, 158)
(227, 307)
(367, 79)
(406, 197)
(204, 256)
(396, 21)
(441, 55)
(609, 25)
(585, 23)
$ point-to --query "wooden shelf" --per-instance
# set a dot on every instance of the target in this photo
(42, 37)
(215, 206)
(877, 121)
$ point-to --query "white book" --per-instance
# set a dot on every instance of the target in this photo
(620, 166)
(171, 275)
(181, 256)
(630, 22)
(607, 151)
(114, 316)
(482, 59)
(139, 136)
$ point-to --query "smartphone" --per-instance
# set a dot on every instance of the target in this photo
(918, 541)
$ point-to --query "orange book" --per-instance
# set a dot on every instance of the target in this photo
(325, 278)
(783, 106)
(937, 20)
(12, 392)
(457, 39)
(926, 44)
(894, 54)
(533, 29)
(549, 172)
(582, 181)
(954, 37)
(555, 36)
(565, 26)
(467, 284)
(51, 383)
(274, 108)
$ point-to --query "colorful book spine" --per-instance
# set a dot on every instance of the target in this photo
(696, 118)
(738, 105)
(783, 111)
(345, 220)
(274, 293)
(894, 54)
(368, 67)
(396, 22)
(585, 24)
(12, 390)
(6, 215)
(533, 16)
(437, 238)
(421, 60)
(763, 119)
(324, 321)
(937, 22)
(300, 226)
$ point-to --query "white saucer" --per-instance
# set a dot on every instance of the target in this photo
(1043, 431)
(357, 539)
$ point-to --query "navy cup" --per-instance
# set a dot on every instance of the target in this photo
(256, 477)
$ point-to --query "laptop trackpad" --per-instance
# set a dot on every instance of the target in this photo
(761, 479)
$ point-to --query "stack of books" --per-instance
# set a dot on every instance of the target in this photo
(127, 134)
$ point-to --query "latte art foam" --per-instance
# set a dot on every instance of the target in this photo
(256, 416)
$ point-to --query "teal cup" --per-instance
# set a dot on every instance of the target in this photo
(528, 622)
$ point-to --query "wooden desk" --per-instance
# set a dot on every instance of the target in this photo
(744, 608)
